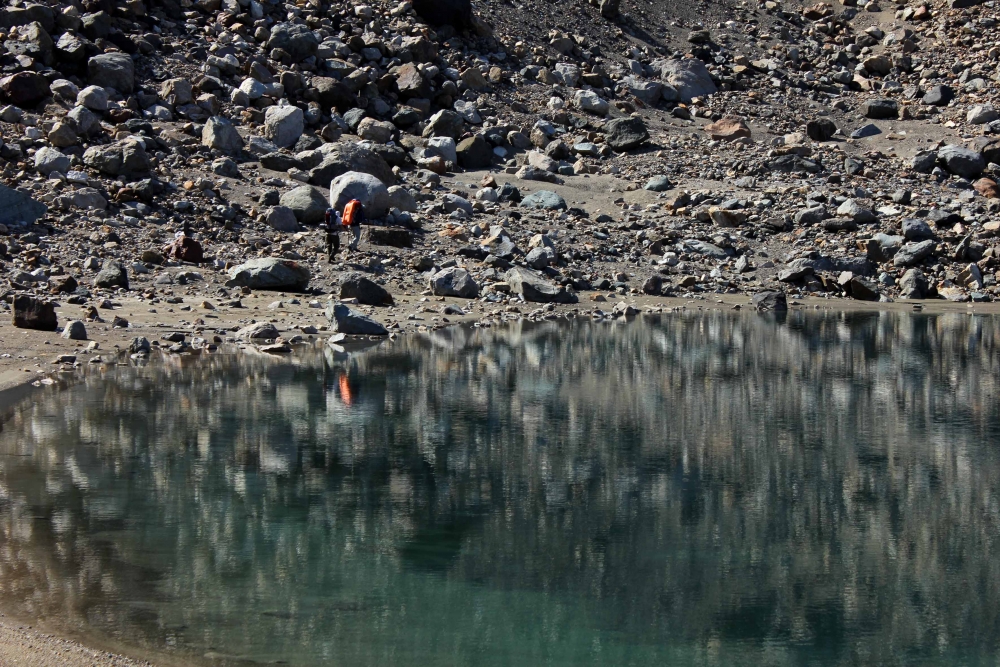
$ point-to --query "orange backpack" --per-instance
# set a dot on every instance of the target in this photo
(353, 214)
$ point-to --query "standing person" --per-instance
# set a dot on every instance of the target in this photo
(333, 224)
(354, 215)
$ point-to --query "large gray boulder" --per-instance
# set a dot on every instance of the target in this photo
(367, 189)
(332, 160)
(689, 77)
(356, 286)
(270, 273)
(544, 199)
(647, 91)
(297, 40)
(112, 70)
(33, 41)
(913, 253)
(117, 159)
(913, 285)
(348, 321)
(16, 207)
(219, 133)
(284, 125)
(536, 288)
(282, 219)
(258, 331)
(445, 123)
(881, 108)
(48, 160)
(75, 330)
(307, 203)
(454, 282)
(961, 161)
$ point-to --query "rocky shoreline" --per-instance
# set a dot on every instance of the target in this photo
(156, 150)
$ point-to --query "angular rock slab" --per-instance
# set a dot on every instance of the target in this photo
(270, 273)
(347, 321)
(454, 282)
(536, 288)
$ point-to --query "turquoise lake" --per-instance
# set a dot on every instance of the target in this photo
(695, 488)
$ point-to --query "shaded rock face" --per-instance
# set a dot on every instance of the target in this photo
(112, 70)
(457, 13)
(112, 275)
(333, 160)
(295, 39)
(770, 302)
(346, 320)
(33, 313)
(961, 161)
(307, 203)
(356, 286)
(270, 274)
(220, 133)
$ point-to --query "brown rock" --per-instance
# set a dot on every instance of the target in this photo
(474, 79)
(728, 129)
(818, 11)
(987, 187)
(25, 89)
(410, 81)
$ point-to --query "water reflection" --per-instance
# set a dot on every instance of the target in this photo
(692, 489)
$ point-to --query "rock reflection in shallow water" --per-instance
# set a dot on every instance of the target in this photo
(693, 489)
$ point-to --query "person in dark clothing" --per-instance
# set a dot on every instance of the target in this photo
(333, 224)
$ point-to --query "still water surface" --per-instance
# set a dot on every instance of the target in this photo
(691, 489)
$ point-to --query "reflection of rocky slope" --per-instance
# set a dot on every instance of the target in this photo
(697, 479)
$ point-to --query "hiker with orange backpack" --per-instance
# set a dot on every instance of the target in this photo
(354, 215)
(335, 221)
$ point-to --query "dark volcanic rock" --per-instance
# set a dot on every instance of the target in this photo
(939, 96)
(624, 134)
(770, 302)
(113, 274)
(821, 130)
(441, 12)
(33, 313)
(880, 108)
